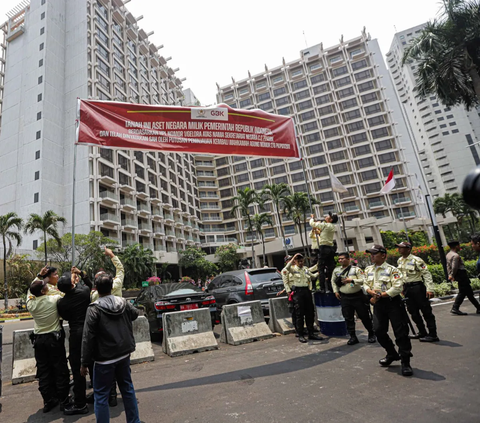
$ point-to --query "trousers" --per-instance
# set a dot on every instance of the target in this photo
(326, 266)
(304, 312)
(74, 357)
(103, 376)
(52, 370)
(417, 302)
(391, 310)
(352, 303)
(464, 290)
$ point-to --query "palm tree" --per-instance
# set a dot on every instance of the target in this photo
(10, 227)
(48, 224)
(276, 193)
(139, 264)
(448, 56)
(244, 199)
(258, 221)
(449, 203)
(294, 208)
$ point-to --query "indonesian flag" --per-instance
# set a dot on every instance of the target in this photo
(389, 185)
(337, 186)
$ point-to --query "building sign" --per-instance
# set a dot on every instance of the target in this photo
(210, 130)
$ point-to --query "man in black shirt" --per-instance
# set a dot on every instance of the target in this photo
(73, 308)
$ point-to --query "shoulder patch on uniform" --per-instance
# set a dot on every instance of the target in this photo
(284, 272)
(31, 297)
(396, 275)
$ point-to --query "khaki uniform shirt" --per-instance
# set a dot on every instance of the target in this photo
(117, 282)
(327, 232)
(313, 235)
(414, 269)
(53, 290)
(384, 278)
(355, 273)
(293, 275)
(454, 263)
(44, 312)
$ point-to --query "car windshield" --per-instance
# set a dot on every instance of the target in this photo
(267, 275)
(173, 288)
(182, 292)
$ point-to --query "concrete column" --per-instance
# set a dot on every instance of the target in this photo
(377, 237)
(360, 238)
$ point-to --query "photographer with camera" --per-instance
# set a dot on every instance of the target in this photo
(298, 279)
(417, 289)
(326, 249)
(347, 286)
(384, 283)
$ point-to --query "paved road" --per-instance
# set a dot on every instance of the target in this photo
(281, 380)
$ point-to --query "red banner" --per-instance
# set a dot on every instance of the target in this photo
(211, 130)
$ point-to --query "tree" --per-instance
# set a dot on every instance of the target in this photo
(448, 56)
(10, 227)
(306, 210)
(276, 194)
(89, 252)
(48, 224)
(194, 261)
(449, 203)
(294, 208)
(258, 221)
(227, 257)
(244, 199)
(21, 272)
(139, 264)
(163, 272)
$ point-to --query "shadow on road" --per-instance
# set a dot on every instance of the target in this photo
(248, 375)
(447, 344)
(419, 374)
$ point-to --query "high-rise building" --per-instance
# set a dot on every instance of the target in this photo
(444, 136)
(349, 123)
(61, 50)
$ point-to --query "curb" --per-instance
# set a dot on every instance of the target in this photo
(16, 320)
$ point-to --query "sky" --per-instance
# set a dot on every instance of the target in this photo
(214, 40)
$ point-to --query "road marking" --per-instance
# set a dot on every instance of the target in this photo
(447, 302)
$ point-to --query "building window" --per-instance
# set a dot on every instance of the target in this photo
(299, 84)
(42, 16)
(455, 131)
(312, 138)
(445, 133)
(42, 30)
(311, 126)
(37, 154)
(38, 135)
(452, 123)
(43, 2)
(314, 149)
(39, 115)
(37, 175)
(362, 150)
(40, 63)
(41, 46)
(279, 91)
(35, 244)
(40, 79)
(245, 103)
(35, 197)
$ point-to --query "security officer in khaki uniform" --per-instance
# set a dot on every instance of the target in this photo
(298, 279)
(385, 283)
(418, 289)
(347, 286)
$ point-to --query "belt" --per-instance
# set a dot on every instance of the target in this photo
(354, 294)
(407, 284)
(301, 287)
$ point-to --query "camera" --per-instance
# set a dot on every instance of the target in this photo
(471, 188)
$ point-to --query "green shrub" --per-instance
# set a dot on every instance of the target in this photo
(442, 289)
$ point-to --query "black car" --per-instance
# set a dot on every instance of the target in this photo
(158, 299)
(246, 285)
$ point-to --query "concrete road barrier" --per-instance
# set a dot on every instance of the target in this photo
(143, 345)
(244, 322)
(23, 357)
(186, 332)
(280, 316)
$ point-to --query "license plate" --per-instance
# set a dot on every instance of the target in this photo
(188, 306)
(274, 288)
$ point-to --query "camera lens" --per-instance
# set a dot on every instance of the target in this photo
(471, 188)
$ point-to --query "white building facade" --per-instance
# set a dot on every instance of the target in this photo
(55, 52)
(349, 123)
(444, 136)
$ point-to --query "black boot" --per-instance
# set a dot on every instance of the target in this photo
(389, 359)
(73, 409)
(406, 368)
(112, 401)
(430, 338)
(314, 337)
(302, 339)
(456, 310)
(372, 338)
(49, 405)
(353, 339)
